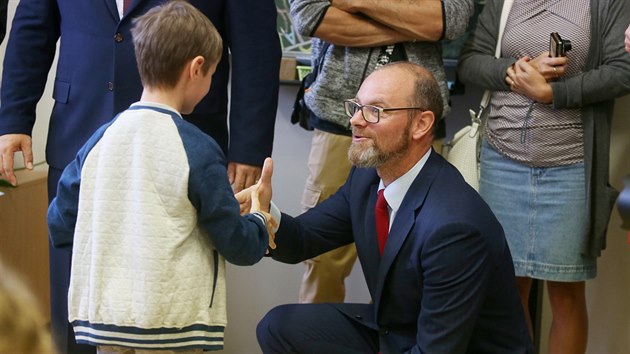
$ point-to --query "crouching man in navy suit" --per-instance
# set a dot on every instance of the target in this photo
(442, 282)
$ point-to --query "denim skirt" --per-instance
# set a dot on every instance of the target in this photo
(543, 213)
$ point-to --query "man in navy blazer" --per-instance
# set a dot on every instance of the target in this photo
(444, 283)
(96, 77)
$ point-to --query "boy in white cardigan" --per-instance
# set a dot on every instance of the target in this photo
(147, 209)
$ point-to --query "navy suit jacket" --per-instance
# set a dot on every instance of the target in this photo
(445, 282)
(96, 75)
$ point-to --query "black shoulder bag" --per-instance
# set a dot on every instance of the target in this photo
(301, 114)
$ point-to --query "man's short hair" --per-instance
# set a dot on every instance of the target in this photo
(169, 36)
(426, 90)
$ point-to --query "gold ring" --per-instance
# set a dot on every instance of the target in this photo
(555, 71)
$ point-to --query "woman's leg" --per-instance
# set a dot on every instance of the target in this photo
(524, 288)
(569, 327)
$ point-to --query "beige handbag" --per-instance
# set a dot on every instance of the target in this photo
(463, 150)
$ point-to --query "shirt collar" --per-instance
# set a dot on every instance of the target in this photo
(396, 191)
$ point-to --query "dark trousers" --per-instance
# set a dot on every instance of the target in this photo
(60, 260)
(314, 328)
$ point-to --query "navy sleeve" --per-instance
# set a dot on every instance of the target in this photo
(242, 240)
(322, 228)
(63, 210)
(29, 55)
(456, 263)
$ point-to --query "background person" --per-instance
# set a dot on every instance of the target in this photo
(545, 156)
(358, 37)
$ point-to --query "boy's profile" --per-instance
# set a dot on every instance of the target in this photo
(147, 209)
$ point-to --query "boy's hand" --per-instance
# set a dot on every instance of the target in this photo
(244, 199)
(261, 191)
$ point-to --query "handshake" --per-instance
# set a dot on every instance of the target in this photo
(257, 200)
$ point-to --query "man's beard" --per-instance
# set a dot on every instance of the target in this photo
(373, 156)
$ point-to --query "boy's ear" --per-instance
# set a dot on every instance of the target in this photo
(196, 66)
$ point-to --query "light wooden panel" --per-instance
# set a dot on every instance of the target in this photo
(24, 234)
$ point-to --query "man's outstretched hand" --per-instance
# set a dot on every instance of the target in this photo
(261, 195)
(257, 198)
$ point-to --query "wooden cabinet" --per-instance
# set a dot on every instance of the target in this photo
(24, 233)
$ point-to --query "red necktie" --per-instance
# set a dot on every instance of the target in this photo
(382, 220)
(126, 4)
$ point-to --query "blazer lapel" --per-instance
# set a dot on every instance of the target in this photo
(132, 7)
(113, 9)
(405, 220)
(370, 223)
(368, 244)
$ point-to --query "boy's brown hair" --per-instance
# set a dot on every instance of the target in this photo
(169, 36)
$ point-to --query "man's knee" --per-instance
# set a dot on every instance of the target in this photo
(273, 330)
(263, 331)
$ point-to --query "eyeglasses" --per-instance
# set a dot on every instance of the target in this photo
(371, 114)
